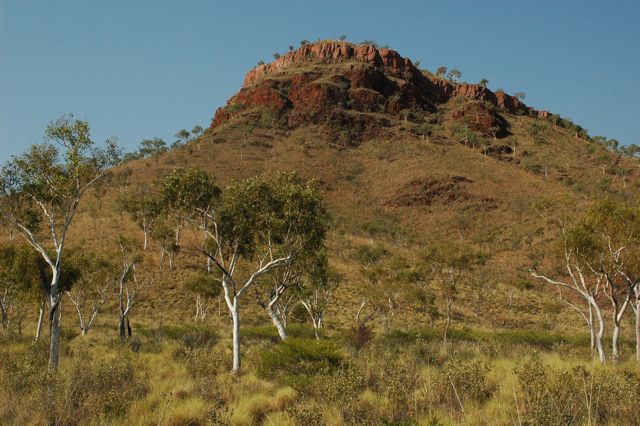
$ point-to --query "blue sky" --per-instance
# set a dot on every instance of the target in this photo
(141, 69)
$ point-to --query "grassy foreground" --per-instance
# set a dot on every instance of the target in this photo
(179, 375)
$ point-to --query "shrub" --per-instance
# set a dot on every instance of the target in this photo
(295, 361)
(555, 397)
(467, 379)
(357, 338)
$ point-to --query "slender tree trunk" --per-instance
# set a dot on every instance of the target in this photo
(600, 333)
(85, 331)
(121, 328)
(19, 320)
(317, 325)
(129, 332)
(447, 323)
(592, 330)
(235, 316)
(638, 331)
(614, 340)
(282, 332)
(40, 321)
(5, 317)
(617, 318)
(54, 350)
(146, 239)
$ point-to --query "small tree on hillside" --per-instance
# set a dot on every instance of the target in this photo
(441, 71)
(483, 83)
(204, 287)
(520, 96)
(583, 279)
(89, 292)
(270, 292)
(41, 191)
(128, 285)
(611, 244)
(182, 137)
(315, 290)
(448, 265)
(150, 147)
(454, 75)
(141, 206)
(253, 228)
(387, 283)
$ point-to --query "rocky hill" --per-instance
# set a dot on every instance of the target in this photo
(405, 159)
(362, 87)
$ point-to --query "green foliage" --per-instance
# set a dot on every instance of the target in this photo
(273, 209)
(454, 74)
(467, 379)
(368, 255)
(150, 147)
(296, 361)
(441, 71)
(20, 272)
(203, 284)
(52, 176)
(369, 43)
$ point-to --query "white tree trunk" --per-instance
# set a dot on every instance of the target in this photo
(54, 318)
(40, 321)
(600, 333)
(617, 318)
(235, 316)
(54, 350)
(318, 323)
(282, 332)
(637, 311)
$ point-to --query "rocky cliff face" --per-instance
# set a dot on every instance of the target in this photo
(363, 87)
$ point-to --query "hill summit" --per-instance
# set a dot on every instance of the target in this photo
(365, 88)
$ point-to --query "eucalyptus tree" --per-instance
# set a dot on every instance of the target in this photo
(454, 74)
(141, 206)
(89, 292)
(269, 294)
(39, 195)
(249, 230)
(448, 265)
(386, 285)
(128, 285)
(583, 279)
(613, 245)
(316, 288)
(441, 71)
(182, 137)
(153, 146)
(204, 288)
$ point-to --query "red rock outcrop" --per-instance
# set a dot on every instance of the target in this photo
(321, 81)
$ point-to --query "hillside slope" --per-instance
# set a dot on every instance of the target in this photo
(404, 159)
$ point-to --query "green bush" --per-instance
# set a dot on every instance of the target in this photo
(295, 361)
